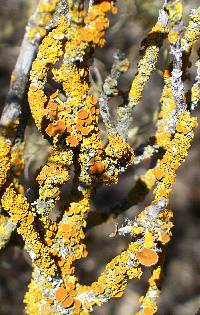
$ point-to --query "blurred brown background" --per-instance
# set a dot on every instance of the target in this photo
(181, 280)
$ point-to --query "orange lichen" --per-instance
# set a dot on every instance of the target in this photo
(19, 209)
(97, 168)
(5, 164)
(65, 296)
(53, 130)
(147, 257)
(61, 294)
(147, 64)
(149, 310)
(159, 173)
(82, 114)
(73, 141)
(176, 150)
(43, 16)
(67, 114)
(165, 238)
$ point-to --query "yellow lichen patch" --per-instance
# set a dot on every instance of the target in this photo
(195, 92)
(5, 162)
(18, 208)
(119, 150)
(42, 17)
(192, 31)
(148, 307)
(137, 230)
(37, 303)
(148, 240)
(134, 273)
(37, 99)
(148, 178)
(16, 204)
(173, 37)
(114, 279)
(49, 53)
(47, 6)
(155, 276)
(17, 159)
(148, 302)
(6, 229)
(176, 151)
(33, 298)
(163, 135)
(147, 63)
(70, 235)
(51, 178)
(175, 11)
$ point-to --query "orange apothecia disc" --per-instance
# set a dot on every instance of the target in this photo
(149, 311)
(61, 294)
(97, 168)
(82, 114)
(73, 141)
(165, 238)
(147, 257)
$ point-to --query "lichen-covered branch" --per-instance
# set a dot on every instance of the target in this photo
(15, 115)
(62, 37)
(147, 64)
(35, 31)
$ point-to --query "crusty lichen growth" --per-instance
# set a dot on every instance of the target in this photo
(148, 302)
(6, 228)
(5, 159)
(18, 208)
(192, 31)
(12, 122)
(146, 65)
(42, 18)
(67, 114)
